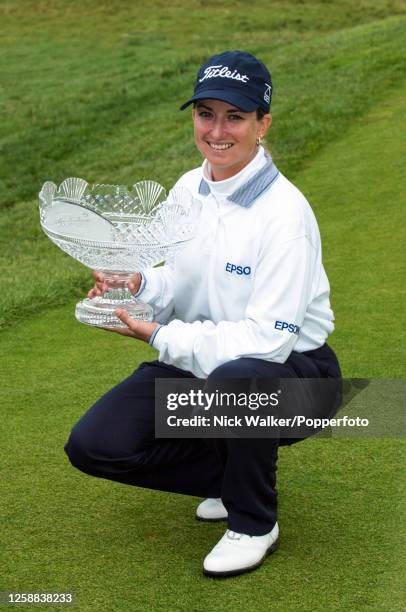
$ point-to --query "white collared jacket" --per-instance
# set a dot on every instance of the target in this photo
(251, 283)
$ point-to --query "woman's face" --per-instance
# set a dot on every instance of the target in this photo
(226, 136)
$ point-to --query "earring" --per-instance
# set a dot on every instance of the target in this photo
(258, 141)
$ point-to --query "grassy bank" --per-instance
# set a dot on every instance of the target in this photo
(114, 128)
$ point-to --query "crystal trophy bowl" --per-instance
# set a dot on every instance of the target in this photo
(118, 232)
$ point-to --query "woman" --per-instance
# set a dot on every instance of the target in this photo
(249, 298)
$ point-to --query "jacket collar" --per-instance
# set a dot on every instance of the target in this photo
(248, 192)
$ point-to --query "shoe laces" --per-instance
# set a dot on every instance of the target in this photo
(233, 535)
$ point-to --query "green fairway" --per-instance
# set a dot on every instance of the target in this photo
(354, 186)
(79, 93)
(123, 548)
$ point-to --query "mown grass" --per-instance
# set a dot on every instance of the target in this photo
(92, 89)
(354, 189)
(123, 548)
(341, 501)
(79, 100)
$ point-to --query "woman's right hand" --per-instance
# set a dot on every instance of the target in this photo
(101, 285)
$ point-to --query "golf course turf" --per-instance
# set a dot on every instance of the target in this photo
(92, 89)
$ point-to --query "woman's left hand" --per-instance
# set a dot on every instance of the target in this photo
(142, 330)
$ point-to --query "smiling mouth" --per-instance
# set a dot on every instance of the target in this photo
(220, 147)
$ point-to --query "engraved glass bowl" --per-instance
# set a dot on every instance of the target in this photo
(118, 232)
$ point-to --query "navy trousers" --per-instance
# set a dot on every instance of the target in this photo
(115, 440)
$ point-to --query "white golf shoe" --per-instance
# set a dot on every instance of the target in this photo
(237, 553)
(211, 509)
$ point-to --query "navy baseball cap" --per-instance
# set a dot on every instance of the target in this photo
(235, 77)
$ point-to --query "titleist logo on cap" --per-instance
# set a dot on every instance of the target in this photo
(223, 72)
(236, 77)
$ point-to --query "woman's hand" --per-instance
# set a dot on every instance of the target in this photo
(134, 283)
(101, 285)
(142, 330)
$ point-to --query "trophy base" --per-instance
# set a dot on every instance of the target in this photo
(99, 313)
